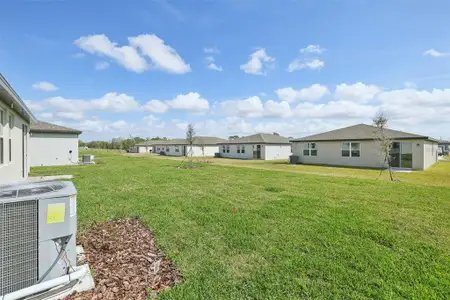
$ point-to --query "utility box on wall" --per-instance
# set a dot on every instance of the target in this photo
(38, 224)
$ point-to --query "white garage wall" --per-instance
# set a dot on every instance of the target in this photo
(52, 149)
(12, 170)
(197, 150)
(273, 152)
(144, 149)
(206, 151)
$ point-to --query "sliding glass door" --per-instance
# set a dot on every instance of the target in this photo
(401, 155)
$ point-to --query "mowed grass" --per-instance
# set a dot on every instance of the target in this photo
(243, 233)
(437, 175)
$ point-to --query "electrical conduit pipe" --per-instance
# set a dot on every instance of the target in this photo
(44, 285)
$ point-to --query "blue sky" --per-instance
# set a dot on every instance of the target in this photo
(294, 67)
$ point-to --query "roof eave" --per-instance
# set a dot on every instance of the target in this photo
(16, 99)
(55, 131)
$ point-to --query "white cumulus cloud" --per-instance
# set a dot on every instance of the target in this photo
(70, 115)
(162, 56)
(313, 49)
(358, 92)
(211, 50)
(251, 107)
(312, 93)
(274, 109)
(435, 53)
(189, 102)
(259, 63)
(298, 64)
(155, 106)
(112, 102)
(126, 56)
(44, 86)
(35, 105)
(102, 65)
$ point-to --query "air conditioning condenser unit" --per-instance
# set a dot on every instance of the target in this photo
(38, 225)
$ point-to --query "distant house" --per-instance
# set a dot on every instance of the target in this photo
(53, 145)
(201, 146)
(15, 121)
(259, 146)
(355, 146)
(444, 147)
(144, 147)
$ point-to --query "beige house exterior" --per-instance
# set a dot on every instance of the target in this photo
(262, 146)
(15, 121)
(355, 146)
(53, 145)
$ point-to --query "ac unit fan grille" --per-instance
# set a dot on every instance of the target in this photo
(19, 245)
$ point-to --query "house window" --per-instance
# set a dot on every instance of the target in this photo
(238, 149)
(310, 149)
(242, 149)
(2, 120)
(177, 148)
(1, 152)
(167, 149)
(228, 148)
(351, 149)
(223, 149)
(10, 151)
(11, 122)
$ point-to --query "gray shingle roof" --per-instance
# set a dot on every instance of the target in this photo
(357, 132)
(260, 138)
(52, 128)
(199, 140)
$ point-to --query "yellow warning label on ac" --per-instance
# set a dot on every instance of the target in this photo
(55, 213)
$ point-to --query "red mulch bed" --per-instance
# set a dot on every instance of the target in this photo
(126, 262)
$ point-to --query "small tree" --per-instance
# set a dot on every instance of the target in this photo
(385, 141)
(190, 137)
(276, 133)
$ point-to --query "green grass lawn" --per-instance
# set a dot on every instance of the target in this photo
(246, 233)
(438, 174)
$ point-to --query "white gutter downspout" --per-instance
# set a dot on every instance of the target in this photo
(45, 285)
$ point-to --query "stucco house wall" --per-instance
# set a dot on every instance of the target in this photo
(206, 151)
(196, 150)
(330, 153)
(13, 170)
(430, 154)
(53, 149)
(248, 153)
(274, 152)
(144, 149)
(268, 151)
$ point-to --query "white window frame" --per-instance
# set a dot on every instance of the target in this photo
(2, 120)
(308, 148)
(242, 149)
(224, 149)
(350, 144)
(238, 147)
(177, 148)
(2, 145)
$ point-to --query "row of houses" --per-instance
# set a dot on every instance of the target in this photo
(25, 142)
(258, 146)
(353, 146)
